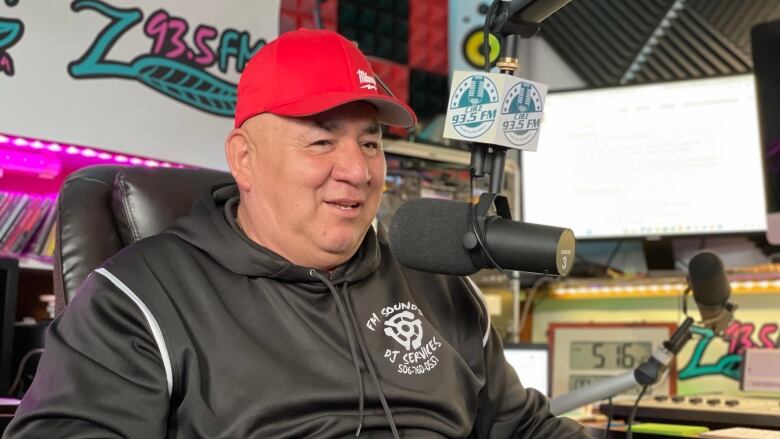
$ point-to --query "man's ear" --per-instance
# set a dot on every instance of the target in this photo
(239, 152)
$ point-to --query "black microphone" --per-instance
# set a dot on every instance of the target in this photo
(711, 290)
(427, 235)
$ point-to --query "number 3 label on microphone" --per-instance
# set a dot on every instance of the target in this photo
(565, 251)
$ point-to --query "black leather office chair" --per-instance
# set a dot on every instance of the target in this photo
(105, 208)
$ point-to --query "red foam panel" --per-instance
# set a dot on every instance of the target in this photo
(418, 11)
(418, 34)
(296, 14)
(401, 82)
(329, 10)
(289, 6)
(331, 25)
(437, 62)
(306, 22)
(287, 21)
(306, 7)
(395, 75)
(397, 132)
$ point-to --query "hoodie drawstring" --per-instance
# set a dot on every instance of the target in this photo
(371, 371)
(350, 340)
(352, 334)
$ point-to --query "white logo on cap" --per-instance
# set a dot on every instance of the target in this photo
(368, 82)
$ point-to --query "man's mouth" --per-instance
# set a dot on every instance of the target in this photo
(345, 204)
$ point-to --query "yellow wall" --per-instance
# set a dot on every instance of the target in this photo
(759, 310)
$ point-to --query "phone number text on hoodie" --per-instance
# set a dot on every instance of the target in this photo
(418, 369)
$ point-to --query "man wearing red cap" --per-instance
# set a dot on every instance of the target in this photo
(274, 310)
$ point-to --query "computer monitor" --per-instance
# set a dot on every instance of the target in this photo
(9, 277)
(531, 362)
(652, 160)
(765, 40)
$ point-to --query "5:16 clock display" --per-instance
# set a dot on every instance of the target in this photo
(608, 355)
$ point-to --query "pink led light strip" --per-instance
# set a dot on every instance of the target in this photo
(22, 142)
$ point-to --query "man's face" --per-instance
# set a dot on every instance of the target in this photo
(316, 183)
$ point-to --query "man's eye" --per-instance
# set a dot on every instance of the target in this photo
(323, 142)
(371, 145)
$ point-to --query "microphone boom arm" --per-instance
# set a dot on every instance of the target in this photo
(513, 20)
(647, 373)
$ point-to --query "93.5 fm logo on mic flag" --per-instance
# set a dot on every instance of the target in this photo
(495, 109)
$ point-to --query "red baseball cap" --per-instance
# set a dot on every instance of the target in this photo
(306, 72)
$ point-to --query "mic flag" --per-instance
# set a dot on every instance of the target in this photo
(495, 109)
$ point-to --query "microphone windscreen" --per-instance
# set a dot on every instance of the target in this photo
(426, 234)
(708, 279)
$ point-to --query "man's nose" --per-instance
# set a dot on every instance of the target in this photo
(351, 164)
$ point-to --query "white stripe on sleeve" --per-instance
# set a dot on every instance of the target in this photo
(481, 297)
(156, 332)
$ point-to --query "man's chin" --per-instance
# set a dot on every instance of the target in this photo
(342, 249)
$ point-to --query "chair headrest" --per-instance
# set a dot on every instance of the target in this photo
(104, 208)
(146, 201)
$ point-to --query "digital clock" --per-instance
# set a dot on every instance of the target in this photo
(608, 355)
(582, 354)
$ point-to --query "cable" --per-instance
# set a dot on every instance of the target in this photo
(20, 369)
(609, 418)
(478, 235)
(529, 300)
(684, 300)
(486, 33)
(583, 259)
(318, 15)
(629, 433)
(684, 263)
(614, 253)
(486, 49)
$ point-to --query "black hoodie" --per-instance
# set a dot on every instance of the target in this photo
(200, 332)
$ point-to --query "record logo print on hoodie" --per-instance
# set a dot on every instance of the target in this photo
(401, 322)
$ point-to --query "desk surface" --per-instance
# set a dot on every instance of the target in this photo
(713, 411)
(619, 432)
(596, 429)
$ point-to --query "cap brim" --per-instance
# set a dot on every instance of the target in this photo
(391, 111)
